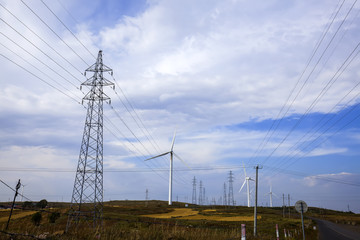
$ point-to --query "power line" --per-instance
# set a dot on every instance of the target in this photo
(7, 185)
(47, 44)
(36, 68)
(40, 50)
(39, 78)
(68, 29)
(54, 32)
(56, 72)
(141, 160)
(311, 143)
(151, 139)
(266, 138)
(330, 82)
(215, 168)
(323, 90)
(318, 122)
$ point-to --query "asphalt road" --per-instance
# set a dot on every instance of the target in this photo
(332, 231)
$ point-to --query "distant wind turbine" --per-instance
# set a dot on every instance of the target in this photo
(270, 194)
(246, 181)
(171, 152)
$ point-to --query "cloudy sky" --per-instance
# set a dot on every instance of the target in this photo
(273, 83)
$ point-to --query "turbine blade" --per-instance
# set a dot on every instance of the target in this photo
(173, 141)
(157, 156)
(275, 195)
(242, 186)
(182, 160)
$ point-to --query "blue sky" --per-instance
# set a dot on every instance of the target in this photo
(221, 72)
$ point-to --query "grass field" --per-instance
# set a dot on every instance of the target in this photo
(16, 214)
(156, 220)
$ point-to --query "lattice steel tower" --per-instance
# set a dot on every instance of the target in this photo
(87, 198)
(225, 203)
(200, 193)
(231, 192)
(194, 191)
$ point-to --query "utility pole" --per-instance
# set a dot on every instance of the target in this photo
(13, 203)
(231, 192)
(289, 203)
(147, 196)
(194, 191)
(87, 197)
(225, 197)
(283, 205)
(256, 198)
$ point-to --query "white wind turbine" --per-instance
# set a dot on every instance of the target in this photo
(270, 194)
(246, 181)
(171, 152)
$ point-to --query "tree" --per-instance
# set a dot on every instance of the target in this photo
(36, 218)
(42, 204)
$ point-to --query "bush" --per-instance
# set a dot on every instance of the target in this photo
(53, 217)
(36, 218)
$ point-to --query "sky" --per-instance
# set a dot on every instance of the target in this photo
(243, 83)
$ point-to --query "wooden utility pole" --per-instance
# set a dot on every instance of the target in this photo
(289, 203)
(283, 205)
(13, 203)
(256, 198)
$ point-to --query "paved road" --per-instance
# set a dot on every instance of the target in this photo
(332, 231)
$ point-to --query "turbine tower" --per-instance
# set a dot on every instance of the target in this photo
(246, 181)
(87, 197)
(172, 154)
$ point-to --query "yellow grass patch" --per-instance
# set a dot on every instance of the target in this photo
(16, 216)
(178, 212)
(210, 210)
(189, 214)
(220, 218)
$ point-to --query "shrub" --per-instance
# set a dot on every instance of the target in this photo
(36, 218)
(53, 217)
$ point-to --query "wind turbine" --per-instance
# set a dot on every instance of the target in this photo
(171, 152)
(271, 193)
(246, 181)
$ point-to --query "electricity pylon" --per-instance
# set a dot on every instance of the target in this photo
(201, 193)
(225, 203)
(87, 198)
(194, 191)
(231, 190)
